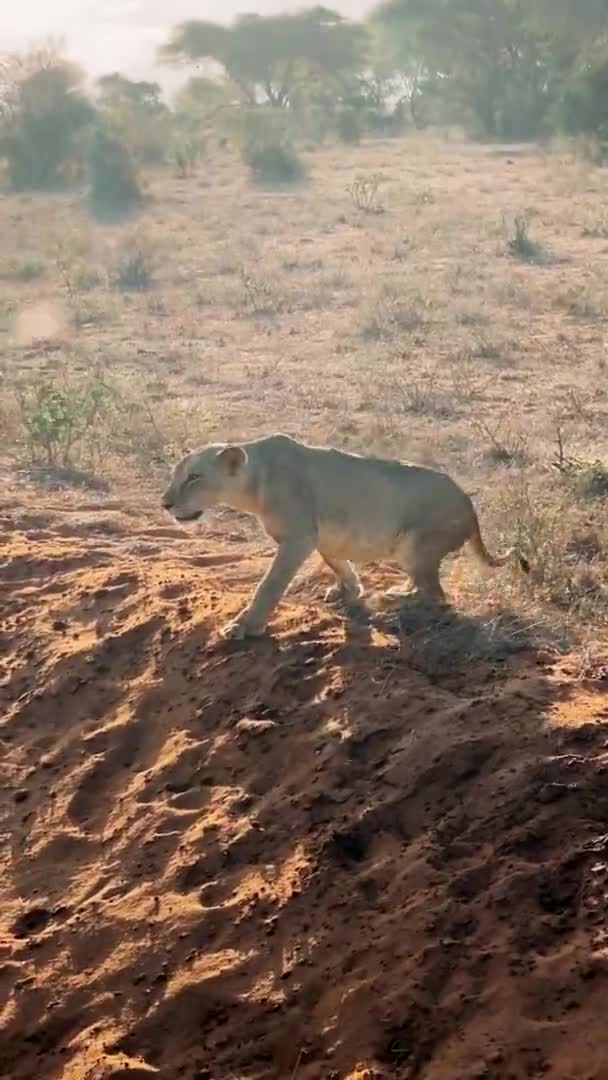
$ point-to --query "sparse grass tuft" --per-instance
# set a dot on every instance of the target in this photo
(504, 444)
(23, 270)
(134, 269)
(260, 295)
(592, 481)
(521, 245)
(566, 553)
(422, 396)
(589, 479)
(391, 313)
(584, 303)
(364, 194)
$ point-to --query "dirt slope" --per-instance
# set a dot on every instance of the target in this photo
(306, 858)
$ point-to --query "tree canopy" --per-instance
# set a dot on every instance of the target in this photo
(481, 55)
(270, 57)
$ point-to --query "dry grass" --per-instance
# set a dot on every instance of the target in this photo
(413, 332)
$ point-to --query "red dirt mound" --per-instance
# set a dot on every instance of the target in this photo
(313, 857)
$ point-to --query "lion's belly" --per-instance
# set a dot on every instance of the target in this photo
(356, 544)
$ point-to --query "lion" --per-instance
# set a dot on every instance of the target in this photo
(348, 507)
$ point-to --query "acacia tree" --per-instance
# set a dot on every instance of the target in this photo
(481, 54)
(273, 58)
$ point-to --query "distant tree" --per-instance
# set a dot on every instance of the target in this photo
(481, 55)
(43, 110)
(199, 101)
(270, 58)
(117, 90)
(201, 94)
(198, 107)
(137, 115)
(398, 74)
(578, 34)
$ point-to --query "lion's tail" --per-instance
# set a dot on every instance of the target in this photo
(494, 561)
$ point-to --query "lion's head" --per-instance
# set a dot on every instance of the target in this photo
(203, 479)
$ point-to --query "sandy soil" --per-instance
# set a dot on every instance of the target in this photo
(312, 857)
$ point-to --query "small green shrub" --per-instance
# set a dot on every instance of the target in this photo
(56, 417)
(391, 314)
(273, 162)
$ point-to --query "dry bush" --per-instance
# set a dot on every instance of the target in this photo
(153, 434)
(567, 550)
(22, 269)
(421, 395)
(587, 303)
(260, 293)
(505, 445)
(391, 312)
(364, 194)
(519, 242)
(134, 268)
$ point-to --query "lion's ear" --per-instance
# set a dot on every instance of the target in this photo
(232, 458)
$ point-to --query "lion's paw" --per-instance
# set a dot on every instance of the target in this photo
(240, 629)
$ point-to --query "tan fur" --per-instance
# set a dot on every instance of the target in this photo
(348, 507)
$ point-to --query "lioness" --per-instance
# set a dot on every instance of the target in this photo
(349, 508)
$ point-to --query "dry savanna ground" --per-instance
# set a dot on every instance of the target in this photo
(346, 851)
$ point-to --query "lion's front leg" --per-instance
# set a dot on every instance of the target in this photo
(348, 586)
(251, 622)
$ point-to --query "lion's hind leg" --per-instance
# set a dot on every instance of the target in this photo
(420, 556)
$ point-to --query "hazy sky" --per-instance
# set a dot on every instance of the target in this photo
(105, 35)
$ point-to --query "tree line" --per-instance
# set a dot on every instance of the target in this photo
(504, 69)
